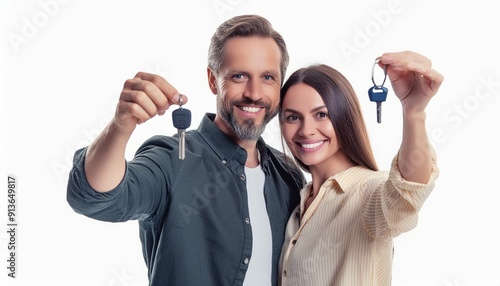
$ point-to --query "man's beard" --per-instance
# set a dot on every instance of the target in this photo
(248, 129)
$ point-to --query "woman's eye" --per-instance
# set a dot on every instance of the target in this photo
(292, 117)
(322, 115)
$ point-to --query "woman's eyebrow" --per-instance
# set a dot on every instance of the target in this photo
(313, 110)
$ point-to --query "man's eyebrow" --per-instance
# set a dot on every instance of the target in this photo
(273, 72)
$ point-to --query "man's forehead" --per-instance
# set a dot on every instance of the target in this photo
(252, 53)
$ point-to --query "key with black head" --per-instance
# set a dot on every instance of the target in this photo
(182, 120)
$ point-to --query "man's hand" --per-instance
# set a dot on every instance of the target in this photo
(143, 97)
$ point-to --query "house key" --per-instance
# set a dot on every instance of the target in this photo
(182, 120)
(378, 93)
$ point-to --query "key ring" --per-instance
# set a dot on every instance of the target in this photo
(377, 60)
(180, 100)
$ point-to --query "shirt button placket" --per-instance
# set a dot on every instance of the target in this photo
(246, 260)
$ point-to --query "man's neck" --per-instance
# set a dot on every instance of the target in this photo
(252, 155)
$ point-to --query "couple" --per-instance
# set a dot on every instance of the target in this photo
(238, 212)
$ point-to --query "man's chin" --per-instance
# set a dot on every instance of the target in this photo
(248, 130)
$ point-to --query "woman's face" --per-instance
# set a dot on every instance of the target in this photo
(307, 128)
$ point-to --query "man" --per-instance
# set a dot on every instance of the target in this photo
(218, 216)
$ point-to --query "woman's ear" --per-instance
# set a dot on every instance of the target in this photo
(212, 81)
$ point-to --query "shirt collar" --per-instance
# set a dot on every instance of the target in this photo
(343, 181)
(224, 146)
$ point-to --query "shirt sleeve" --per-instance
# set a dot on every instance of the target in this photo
(393, 205)
(137, 196)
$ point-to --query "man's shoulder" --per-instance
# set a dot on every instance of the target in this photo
(164, 144)
(284, 162)
(159, 141)
(270, 151)
(166, 140)
(275, 152)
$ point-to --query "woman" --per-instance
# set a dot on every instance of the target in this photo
(342, 231)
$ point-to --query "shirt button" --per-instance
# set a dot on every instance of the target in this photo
(246, 260)
(284, 273)
(224, 161)
(294, 241)
(242, 177)
(247, 220)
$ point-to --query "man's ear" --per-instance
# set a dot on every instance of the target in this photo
(212, 81)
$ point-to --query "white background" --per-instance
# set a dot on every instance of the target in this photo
(64, 63)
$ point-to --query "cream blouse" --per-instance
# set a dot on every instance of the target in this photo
(345, 236)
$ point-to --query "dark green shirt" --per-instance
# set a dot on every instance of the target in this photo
(193, 213)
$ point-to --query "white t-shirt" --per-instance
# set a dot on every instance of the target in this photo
(260, 266)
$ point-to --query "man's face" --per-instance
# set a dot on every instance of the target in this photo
(247, 87)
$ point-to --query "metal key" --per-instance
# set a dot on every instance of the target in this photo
(378, 94)
(182, 120)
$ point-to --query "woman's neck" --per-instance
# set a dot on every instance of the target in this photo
(321, 172)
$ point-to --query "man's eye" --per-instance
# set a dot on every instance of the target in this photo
(238, 77)
(268, 77)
